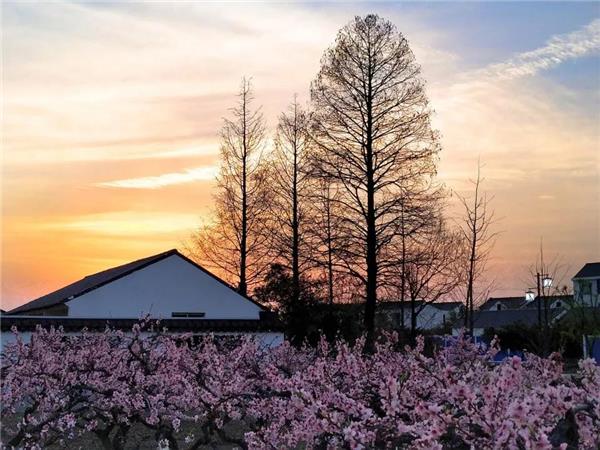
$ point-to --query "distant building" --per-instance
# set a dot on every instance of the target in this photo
(499, 312)
(512, 303)
(430, 316)
(168, 286)
(502, 303)
(586, 285)
(497, 319)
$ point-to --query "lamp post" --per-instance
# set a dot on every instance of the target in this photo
(543, 281)
(546, 282)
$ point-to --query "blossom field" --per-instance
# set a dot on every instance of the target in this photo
(61, 386)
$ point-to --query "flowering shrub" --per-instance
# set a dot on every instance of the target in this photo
(335, 396)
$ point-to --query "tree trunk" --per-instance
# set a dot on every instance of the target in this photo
(413, 319)
(295, 224)
(243, 286)
(120, 438)
(472, 258)
(329, 247)
(104, 437)
(371, 288)
(403, 263)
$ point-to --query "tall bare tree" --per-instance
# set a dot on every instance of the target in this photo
(372, 129)
(324, 235)
(433, 268)
(291, 184)
(420, 216)
(235, 244)
(476, 227)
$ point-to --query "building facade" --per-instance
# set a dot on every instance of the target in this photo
(168, 286)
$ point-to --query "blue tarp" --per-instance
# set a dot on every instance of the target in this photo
(483, 344)
(594, 348)
(503, 354)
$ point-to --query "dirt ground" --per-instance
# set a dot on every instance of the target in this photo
(141, 438)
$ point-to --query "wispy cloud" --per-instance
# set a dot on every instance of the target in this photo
(167, 179)
(134, 91)
(558, 49)
(124, 223)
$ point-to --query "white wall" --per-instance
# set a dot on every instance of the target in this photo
(477, 332)
(269, 339)
(586, 292)
(170, 285)
(430, 317)
(8, 337)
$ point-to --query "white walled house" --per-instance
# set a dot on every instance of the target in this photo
(168, 286)
(503, 303)
(586, 285)
(430, 315)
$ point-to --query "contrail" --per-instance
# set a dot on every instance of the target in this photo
(558, 49)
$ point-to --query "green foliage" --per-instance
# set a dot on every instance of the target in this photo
(307, 320)
(560, 337)
(276, 292)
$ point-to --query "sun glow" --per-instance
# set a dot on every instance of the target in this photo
(111, 120)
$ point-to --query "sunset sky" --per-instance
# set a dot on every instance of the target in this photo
(111, 113)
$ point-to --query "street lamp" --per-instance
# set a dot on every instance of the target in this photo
(544, 281)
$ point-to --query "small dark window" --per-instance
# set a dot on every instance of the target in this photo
(499, 306)
(558, 304)
(187, 314)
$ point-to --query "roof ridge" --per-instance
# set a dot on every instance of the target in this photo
(161, 254)
(99, 279)
(137, 264)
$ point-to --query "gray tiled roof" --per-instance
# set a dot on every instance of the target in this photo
(390, 305)
(550, 299)
(448, 306)
(89, 283)
(589, 270)
(507, 302)
(502, 318)
(99, 279)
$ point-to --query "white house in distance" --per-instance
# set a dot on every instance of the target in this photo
(168, 286)
(499, 312)
(430, 315)
(586, 285)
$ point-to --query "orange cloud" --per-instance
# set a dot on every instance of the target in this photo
(111, 118)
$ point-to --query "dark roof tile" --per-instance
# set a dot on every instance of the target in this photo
(502, 318)
(89, 283)
(507, 302)
(99, 279)
(589, 270)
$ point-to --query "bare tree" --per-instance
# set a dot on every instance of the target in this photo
(476, 227)
(291, 184)
(420, 213)
(235, 244)
(372, 129)
(433, 268)
(547, 275)
(324, 235)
